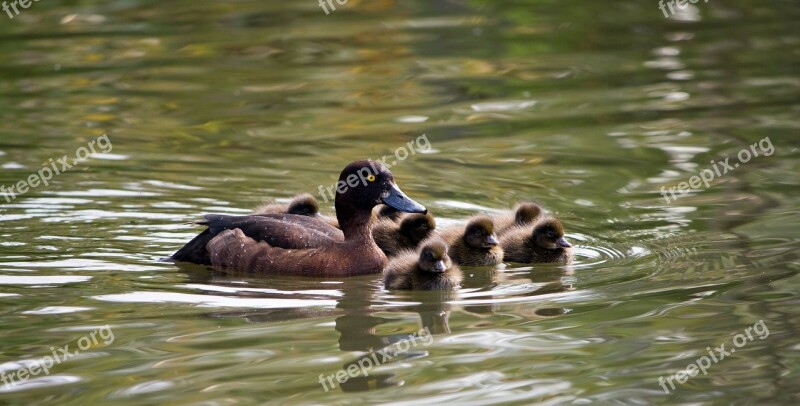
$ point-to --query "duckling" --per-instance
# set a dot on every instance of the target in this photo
(524, 214)
(387, 212)
(303, 205)
(544, 242)
(393, 238)
(428, 269)
(475, 244)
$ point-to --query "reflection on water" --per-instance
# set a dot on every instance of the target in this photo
(590, 109)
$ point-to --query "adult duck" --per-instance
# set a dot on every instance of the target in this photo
(301, 245)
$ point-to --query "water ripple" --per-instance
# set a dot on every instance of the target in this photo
(212, 301)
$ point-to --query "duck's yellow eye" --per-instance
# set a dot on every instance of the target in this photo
(371, 178)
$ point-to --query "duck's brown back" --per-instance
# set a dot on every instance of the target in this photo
(279, 230)
(233, 251)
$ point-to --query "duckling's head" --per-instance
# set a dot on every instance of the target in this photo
(549, 234)
(304, 205)
(527, 213)
(365, 184)
(433, 256)
(417, 227)
(480, 233)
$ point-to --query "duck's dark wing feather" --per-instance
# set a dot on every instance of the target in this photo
(195, 250)
(281, 230)
(278, 230)
(318, 223)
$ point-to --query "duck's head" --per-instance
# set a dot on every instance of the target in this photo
(365, 184)
(304, 205)
(480, 233)
(527, 213)
(417, 226)
(433, 256)
(549, 234)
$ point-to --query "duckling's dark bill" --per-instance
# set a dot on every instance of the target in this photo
(395, 197)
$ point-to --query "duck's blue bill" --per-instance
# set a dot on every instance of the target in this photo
(397, 199)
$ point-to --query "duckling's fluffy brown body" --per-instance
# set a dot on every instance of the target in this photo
(393, 238)
(430, 268)
(474, 244)
(526, 213)
(542, 243)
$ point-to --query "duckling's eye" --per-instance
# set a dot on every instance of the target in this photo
(371, 178)
(551, 234)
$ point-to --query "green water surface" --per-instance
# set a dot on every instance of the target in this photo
(589, 107)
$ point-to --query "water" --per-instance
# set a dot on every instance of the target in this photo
(590, 108)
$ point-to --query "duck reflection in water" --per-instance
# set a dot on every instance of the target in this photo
(362, 307)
